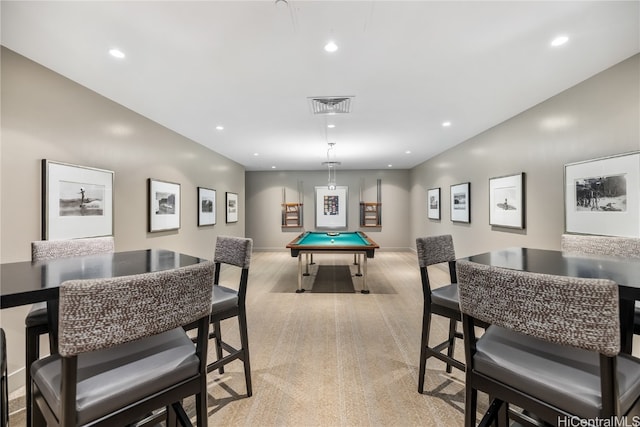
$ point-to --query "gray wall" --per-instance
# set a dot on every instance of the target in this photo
(45, 115)
(596, 118)
(264, 199)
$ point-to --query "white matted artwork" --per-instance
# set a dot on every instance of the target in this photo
(164, 205)
(461, 202)
(77, 201)
(506, 201)
(602, 196)
(232, 207)
(433, 203)
(331, 208)
(206, 206)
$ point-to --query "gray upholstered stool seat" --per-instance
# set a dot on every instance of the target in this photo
(551, 372)
(37, 315)
(223, 299)
(446, 296)
(103, 378)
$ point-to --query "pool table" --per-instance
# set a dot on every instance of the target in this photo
(350, 242)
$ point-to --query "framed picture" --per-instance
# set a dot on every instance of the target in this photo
(164, 205)
(433, 203)
(602, 196)
(232, 207)
(461, 202)
(77, 201)
(331, 208)
(506, 201)
(206, 206)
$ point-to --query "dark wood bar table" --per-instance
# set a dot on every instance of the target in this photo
(27, 282)
(625, 272)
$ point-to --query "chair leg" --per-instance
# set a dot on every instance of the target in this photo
(32, 353)
(452, 342)
(244, 342)
(424, 343)
(37, 417)
(470, 406)
(201, 405)
(172, 419)
(503, 415)
(218, 341)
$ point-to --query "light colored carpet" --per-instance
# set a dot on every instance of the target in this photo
(333, 359)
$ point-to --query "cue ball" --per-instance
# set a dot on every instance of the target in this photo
(332, 241)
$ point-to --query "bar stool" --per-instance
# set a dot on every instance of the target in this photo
(36, 321)
(553, 347)
(123, 351)
(442, 301)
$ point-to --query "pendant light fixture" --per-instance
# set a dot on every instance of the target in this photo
(331, 164)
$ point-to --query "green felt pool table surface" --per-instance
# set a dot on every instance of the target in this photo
(348, 241)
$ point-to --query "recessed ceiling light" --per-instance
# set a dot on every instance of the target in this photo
(407, 152)
(559, 41)
(220, 127)
(116, 53)
(273, 167)
(331, 126)
(389, 166)
(256, 154)
(446, 124)
(331, 47)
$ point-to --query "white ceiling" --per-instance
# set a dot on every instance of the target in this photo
(251, 65)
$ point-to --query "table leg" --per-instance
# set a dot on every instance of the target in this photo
(355, 259)
(52, 318)
(365, 290)
(627, 314)
(300, 274)
(358, 263)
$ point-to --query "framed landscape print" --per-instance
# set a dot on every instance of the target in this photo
(461, 202)
(77, 201)
(206, 206)
(506, 201)
(164, 205)
(331, 208)
(433, 203)
(602, 196)
(232, 207)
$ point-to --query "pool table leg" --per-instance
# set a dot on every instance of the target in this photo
(306, 269)
(364, 290)
(357, 262)
(299, 290)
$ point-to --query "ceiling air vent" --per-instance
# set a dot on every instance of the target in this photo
(330, 104)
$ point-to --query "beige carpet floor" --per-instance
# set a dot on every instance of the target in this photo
(332, 359)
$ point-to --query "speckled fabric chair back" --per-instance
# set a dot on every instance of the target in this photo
(42, 250)
(435, 249)
(233, 250)
(626, 247)
(579, 312)
(101, 313)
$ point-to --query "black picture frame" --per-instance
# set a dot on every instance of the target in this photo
(433, 203)
(231, 204)
(507, 201)
(77, 201)
(164, 205)
(206, 206)
(602, 196)
(461, 202)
